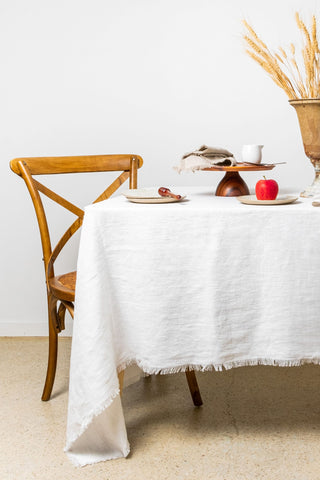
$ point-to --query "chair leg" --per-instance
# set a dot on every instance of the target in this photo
(121, 377)
(194, 388)
(53, 348)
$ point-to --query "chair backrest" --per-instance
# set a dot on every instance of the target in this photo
(27, 167)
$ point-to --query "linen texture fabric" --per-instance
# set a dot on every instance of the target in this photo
(206, 283)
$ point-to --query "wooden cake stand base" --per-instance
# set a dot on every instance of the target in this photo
(232, 184)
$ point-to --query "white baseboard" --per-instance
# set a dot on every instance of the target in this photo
(30, 329)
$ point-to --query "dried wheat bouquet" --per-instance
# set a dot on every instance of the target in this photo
(295, 71)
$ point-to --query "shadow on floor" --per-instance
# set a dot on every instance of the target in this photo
(247, 399)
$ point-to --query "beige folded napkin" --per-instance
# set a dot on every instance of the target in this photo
(205, 157)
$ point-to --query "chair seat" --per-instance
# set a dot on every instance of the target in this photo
(63, 286)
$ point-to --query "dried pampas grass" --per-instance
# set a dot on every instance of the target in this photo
(283, 67)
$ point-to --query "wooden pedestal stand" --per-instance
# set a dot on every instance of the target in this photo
(232, 184)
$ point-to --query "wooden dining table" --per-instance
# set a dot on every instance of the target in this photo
(207, 283)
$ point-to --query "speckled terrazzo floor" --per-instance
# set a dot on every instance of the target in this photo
(256, 423)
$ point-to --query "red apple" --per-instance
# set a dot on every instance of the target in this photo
(267, 189)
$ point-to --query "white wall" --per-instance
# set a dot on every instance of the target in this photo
(156, 78)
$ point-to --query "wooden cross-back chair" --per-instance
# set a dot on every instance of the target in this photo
(61, 289)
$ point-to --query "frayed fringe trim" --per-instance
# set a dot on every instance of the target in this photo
(219, 367)
(73, 458)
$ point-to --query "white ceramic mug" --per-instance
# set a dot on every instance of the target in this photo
(252, 153)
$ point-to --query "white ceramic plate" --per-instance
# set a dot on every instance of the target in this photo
(141, 193)
(155, 200)
(252, 200)
(148, 195)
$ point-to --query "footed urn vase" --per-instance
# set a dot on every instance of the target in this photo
(308, 112)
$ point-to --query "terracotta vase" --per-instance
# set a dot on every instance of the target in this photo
(308, 111)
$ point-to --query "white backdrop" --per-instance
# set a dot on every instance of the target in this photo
(155, 78)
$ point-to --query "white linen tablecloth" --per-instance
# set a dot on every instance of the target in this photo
(207, 283)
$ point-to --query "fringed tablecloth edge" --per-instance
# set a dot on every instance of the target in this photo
(219, 367)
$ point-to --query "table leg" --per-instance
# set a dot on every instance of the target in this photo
(121, 377)
(194, 388)
(232, 185)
